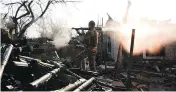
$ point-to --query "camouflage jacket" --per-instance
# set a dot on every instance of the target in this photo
(91, 39)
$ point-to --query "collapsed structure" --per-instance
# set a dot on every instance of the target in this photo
(36, 65)
(21, 72)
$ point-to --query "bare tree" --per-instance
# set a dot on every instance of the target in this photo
(49, 28)
(26, 15)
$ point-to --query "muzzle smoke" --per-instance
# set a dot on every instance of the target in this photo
(61, 39)
(57, 31)
(148, 37)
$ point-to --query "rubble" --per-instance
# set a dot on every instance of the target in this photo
(26, 73)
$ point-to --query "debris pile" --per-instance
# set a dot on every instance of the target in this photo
(20, 71)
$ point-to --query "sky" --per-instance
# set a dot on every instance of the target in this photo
(80, 13)
(91, 9)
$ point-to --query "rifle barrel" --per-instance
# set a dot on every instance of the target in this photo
(86, 28)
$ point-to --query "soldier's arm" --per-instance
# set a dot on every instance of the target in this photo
(97, 35)
(96, 38)
(95, 44)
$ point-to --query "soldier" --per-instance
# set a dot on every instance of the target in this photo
(91, 41)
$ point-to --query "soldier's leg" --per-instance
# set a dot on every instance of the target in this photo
(83, 64)
(92, 62)
(78, 62)
(83, 61)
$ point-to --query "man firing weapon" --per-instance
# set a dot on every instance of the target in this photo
(91, 42)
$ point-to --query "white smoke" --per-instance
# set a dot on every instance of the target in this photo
(60, 34)
(57, 30)
(61, 39)
(148, 37)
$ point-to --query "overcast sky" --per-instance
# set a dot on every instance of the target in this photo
(90, 9)
(80, 13)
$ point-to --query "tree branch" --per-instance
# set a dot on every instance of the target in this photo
(27, 12)
(40, 6)
(30, 10)
(5, 16)
(34, 20)
(23, 3)
(12, 3)
(49, 2)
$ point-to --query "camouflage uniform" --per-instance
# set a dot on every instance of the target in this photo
(91, 41)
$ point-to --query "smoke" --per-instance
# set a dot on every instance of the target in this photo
(150, 37)
(61, 39)
(60, 34)
(58, 31)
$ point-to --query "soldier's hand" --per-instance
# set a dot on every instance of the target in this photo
(94, 49)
